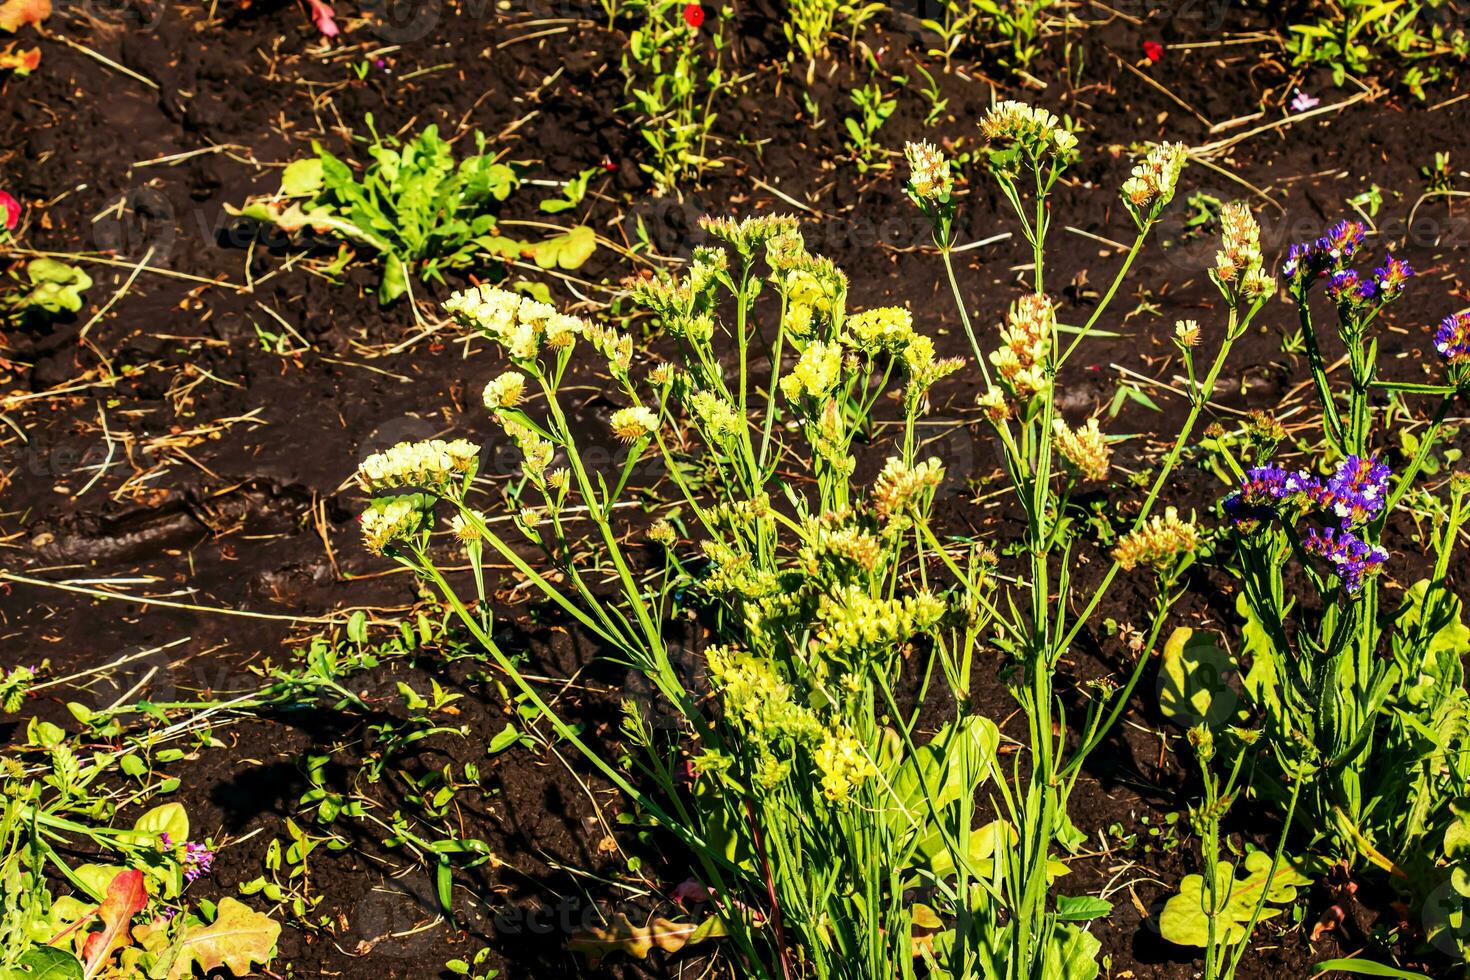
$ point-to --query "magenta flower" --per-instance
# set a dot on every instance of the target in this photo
(12, 210)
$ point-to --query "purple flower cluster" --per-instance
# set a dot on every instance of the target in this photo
(1329, 255)
(1308, 260)
(1392, 276)
(198, 859)
(1355, 494)
(1352, 558)
(1347, 288)
(1452, 339)
(1357, 489)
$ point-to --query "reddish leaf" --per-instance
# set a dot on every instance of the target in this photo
(21, 62)
(15, 14)
(324, 18)
(126, 896)
(1153, 50)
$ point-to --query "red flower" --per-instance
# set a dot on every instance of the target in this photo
(1153, 49)
(693, 15)
(12, 210)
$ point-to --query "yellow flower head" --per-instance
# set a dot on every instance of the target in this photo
(632, 424)
(816, 372)
(930, 180)
(1152, 183)
(842, 763)
(1158, 543)
(1085, 448)
(505, 391)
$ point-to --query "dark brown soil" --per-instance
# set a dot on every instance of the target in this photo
(252, 512)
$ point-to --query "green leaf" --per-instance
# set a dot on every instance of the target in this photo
(1082, 908)
(566, 251)
(1194, 680)
(170, 818)
(1367, 968)
(1184, 922)
(46, 963)
(508, 736)
(395, 281)
(55, 287)
(950, 765)
(1261, 681)
(302, 178)
(1073, 955)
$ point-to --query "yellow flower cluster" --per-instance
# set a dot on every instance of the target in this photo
(536, 450)
(392, 520)
(1026, 343)
(851, 620)
(741, 515)
(1038, 131)
(615, 346)
(833, 541)
(705, 268)
(993, 404)
(811, 287)
(748, 234)
(830, 440)
(732, 573)
(900, 488)
(432, 464)
(719, 418)
(1153, 180)
(632, 424)
(887, 328)
(1157, 543)
(518, 323)
(465, 529)
(670, 298)
(1085, 448)
(759, 699)
(505, 391)
(930, 179)
(1238, 263)
(925, 370)
(843, 763)
(816, 373)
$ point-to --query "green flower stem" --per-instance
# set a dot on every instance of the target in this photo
(1319, 375)
(1250, 927)
(1171, 460)
(710, 857)
(1426, 445)
(1108, 296)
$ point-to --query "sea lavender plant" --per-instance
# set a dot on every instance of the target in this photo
(780, 755)
(1019, 928)
(1356, 681)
